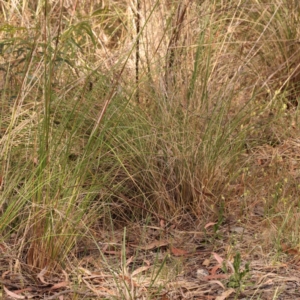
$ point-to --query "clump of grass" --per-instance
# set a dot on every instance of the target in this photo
(158, 131)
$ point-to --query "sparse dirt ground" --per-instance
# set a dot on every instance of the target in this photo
(192, 267)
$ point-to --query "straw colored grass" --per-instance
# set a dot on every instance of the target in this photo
(149, 149)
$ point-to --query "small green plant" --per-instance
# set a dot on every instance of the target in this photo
(238, 277)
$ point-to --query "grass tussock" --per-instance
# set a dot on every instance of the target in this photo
(168, 118)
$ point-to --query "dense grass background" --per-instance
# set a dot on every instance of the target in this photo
(116, 113)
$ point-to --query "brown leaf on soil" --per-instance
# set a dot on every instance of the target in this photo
(115, 252)
(129, 261)
(215, 269)
(3, 248)
(225, 294)
(289, 250)
(153, 245)
(164, 297)
(139, 270)
(59, 285)
(41, 275)
(209, 224)
(162, 223)
(178, 252)
(218, 258)
(4, 274)
(12, 294)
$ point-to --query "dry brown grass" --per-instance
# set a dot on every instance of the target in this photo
(177, 120)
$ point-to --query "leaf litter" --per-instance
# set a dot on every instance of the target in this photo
(94, 278)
